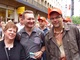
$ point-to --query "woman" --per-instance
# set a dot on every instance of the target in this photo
(10, 48)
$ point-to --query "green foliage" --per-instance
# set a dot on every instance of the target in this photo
(76, 19)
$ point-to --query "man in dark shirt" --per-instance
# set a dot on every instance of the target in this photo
(31, 38)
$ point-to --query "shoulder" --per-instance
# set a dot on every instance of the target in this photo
(37, 30)
(72, 26)
(19, 45)
(73, 29)
(21, 31)
(2, 43)
(18, 24)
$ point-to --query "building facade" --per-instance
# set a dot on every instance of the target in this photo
(8, 8)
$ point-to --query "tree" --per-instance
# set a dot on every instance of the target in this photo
(76, 19)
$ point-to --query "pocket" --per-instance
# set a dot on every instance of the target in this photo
(37, 40)
(73, 46)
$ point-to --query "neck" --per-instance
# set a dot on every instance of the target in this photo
(29, 30)
(42, 28)
(21, 23)
(8, 43)
(58, 29)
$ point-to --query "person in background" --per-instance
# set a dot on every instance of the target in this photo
(31, 38)
(62, 42)
(43, 24)
(20, 25)
(10, 48)
(1, 27)
(67, 20)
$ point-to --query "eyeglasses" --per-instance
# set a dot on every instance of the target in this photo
(55, 18)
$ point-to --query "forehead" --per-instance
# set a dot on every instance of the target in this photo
(29, 15)
(11, 28)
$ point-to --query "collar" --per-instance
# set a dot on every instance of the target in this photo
(3, 44)
(34, 30)
(65, 29)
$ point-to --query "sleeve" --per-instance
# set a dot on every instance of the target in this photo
(23, 54)
(47, 47)
(43, 41)
(17, 38)
(78, 37)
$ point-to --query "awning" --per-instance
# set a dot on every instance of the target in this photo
(28, 4)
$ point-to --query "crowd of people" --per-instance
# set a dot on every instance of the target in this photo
(25, 41)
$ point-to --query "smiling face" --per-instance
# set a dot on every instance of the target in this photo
(29, 20)
(10, 33)
(56, 20)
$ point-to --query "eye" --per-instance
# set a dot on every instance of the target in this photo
(14, 31)
(30, 19)
(10, 30)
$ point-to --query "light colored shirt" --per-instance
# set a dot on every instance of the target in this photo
(19, 26)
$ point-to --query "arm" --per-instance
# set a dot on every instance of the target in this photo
(39, 53)
(22, 54)
(78, 38)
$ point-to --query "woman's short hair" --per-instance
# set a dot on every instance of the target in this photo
(10, 25)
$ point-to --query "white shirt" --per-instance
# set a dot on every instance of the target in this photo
(19, 26)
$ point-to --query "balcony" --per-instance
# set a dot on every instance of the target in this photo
(34, 4)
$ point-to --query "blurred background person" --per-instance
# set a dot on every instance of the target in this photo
(1, 27)
(67, 20)
(10, 48)
(43, 24)
(20, 25)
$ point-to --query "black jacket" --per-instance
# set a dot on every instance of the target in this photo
(15, 53)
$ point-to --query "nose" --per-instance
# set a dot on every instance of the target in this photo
(32, 20)
(55, 19)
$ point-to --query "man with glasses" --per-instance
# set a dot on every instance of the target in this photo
(31, 38)
(62, 41)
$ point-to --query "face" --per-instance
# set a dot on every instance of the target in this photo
(20, 20)
(41, 23)
(29, 20)
(10, 33)
(56, 20)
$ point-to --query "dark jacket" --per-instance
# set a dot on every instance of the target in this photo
(15, 53)
(71, 43)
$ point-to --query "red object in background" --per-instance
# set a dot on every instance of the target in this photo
(49, 10)
(69, 7)
(67, 19)
(38, 17)
(20, 15)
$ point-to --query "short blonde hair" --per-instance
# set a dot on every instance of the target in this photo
(27, 11)
(10, 25)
